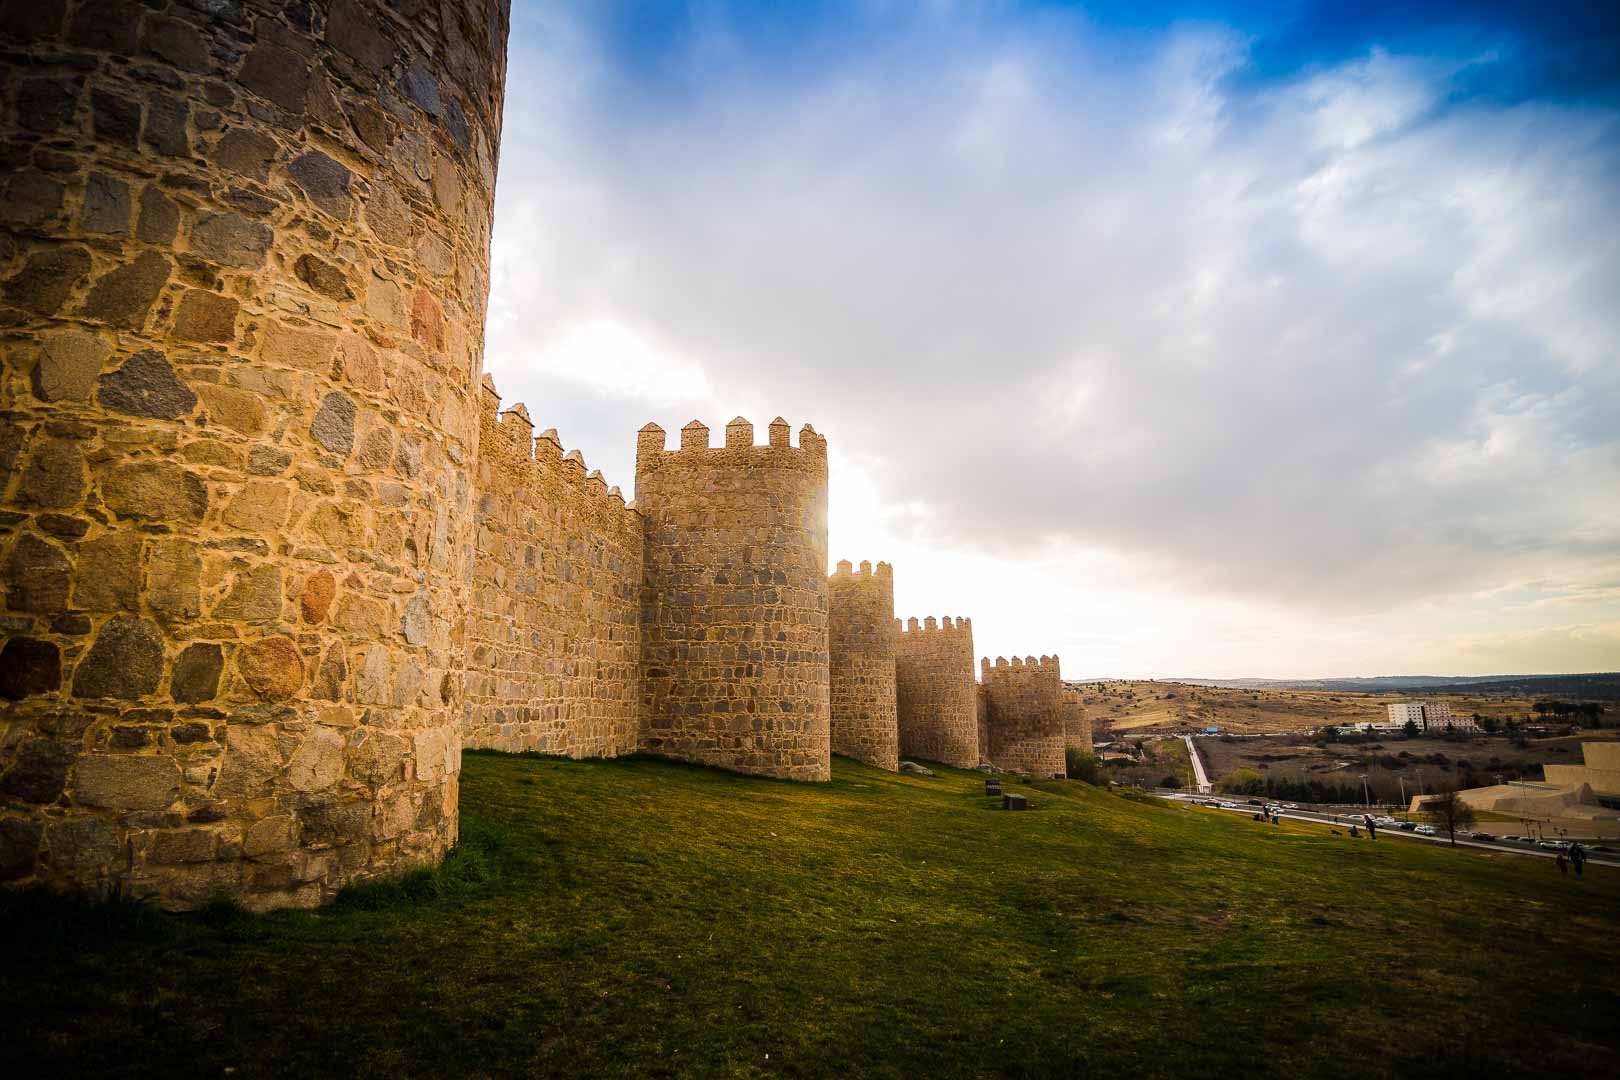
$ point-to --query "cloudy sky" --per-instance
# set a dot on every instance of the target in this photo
(1206, 339)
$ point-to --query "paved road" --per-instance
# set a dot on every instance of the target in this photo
(1204, 786)
(1344, 821)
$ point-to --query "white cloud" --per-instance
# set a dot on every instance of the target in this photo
(1108, 358)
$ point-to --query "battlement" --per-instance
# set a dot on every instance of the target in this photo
(652, 449)
(1020, 664)
(929, 625)
(846, 569)
(509, 447)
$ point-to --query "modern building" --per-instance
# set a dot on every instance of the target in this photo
(1582, 800)
(1430, 716)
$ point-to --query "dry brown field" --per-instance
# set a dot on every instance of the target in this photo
(1142, 707)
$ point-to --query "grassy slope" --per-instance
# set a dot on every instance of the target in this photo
(646, 917)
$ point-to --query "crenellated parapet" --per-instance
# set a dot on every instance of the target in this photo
(734, 599)
(936, 695)
(1026, 718)
(861, 665)
(511, 456)
(554, 628)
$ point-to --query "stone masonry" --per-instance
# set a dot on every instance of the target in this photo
(861, 664)
(734, 599)
(1026, 720)
(937, 700)
(243, 278)
(1076, 724)
(554, 622)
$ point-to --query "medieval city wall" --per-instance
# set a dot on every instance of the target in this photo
(553, 642)
(936, 697)
(861, 667)
(1026, 715)
(734, 599)
(243, 277)
(1076, 724)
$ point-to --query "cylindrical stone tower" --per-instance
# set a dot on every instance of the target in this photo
(860, 610)
(1076, 723)
(936, 697)
(242, 293)
(1026, 715)
(734, 599)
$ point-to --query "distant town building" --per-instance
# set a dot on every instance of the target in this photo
(1435, 716)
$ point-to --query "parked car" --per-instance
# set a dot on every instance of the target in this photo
(1426, 830)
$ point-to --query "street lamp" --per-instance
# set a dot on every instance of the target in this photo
(1366, 795)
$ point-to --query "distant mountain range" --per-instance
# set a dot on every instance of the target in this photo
(1599, 686)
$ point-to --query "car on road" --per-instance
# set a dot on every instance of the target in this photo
(1407, 826)
(1484, 836)
(1256, 802)
(1289, 806)
(1426, 830)
(1554, 845)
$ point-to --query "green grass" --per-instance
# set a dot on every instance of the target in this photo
(639, 917)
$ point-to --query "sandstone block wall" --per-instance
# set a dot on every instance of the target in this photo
(554, 622)
(861, 670)
(734, 599)
(981, 701)
(937, 699)
(1076, 724)
(1026, 715)
(242, 290)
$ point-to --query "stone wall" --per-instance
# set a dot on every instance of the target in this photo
(1026, 715)
(554, 620)
(242, 291)
(861, 676)
(936, 696)
(1076, 724)
(734, 599)
(981, 701)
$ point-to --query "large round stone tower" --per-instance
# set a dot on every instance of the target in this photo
(936, 697)
(734, 599)
(242, 293)
(1027, 718)
(860, 664)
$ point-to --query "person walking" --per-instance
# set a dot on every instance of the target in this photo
(1577, 856)
(1372, 830)
(1563, 864)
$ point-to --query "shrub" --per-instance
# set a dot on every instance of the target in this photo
(1080, 765)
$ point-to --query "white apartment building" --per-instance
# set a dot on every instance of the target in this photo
(1406, 710)
(1433, 716)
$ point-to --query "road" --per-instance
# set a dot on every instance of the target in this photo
(1344, 821)
(1204, 786)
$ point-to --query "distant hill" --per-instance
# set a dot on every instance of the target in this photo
(1599, 686)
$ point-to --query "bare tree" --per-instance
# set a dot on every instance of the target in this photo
(1449, 813)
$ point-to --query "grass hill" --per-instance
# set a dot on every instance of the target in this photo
(639, 917)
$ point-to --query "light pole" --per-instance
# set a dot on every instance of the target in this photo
(1366, 795)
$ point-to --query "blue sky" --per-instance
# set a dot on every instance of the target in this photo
(1200, 339)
